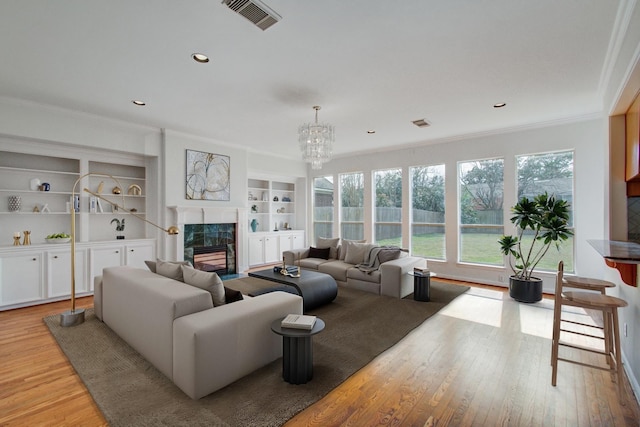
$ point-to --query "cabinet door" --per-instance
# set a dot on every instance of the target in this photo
(271, 249)
(297, 240)
(21, 278)
(59, 272)
(136, 255)
(285, 242)
(108, 256)
(256, 250)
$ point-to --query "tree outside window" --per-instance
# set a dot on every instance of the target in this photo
(481, 191)
(388, 207)
(323, 206)
(427, 211)
(352, 206)
(551, 173)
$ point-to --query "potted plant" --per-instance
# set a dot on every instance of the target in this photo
(547, 218)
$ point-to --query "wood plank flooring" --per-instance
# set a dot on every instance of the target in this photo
(482, 361)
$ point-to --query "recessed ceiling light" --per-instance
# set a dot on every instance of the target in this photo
(499, 105)
(200, 57)
(139, 103)
(371, 132)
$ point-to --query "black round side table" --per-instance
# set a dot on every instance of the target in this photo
(297, 351)
(421, 286)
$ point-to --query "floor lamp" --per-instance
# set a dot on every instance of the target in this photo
(75, 316)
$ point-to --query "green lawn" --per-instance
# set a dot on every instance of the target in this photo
(482, 248)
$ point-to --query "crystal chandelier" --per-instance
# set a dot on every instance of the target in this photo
(316, 142)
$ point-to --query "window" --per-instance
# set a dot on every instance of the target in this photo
(427, 211)
(553, 173)
(481, 186)
(388, 202)
(352, 206)
(323, 206)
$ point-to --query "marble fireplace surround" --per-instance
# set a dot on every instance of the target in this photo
(183, 215)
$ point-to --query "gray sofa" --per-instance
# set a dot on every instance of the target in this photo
(391, 278)
(176, 327)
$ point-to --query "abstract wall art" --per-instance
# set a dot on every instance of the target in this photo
(208, 176)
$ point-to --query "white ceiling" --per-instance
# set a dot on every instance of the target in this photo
(370, 64)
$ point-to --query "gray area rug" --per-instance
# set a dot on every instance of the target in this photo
(131, 392)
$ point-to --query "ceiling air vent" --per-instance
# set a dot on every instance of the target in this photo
(255, 11)
(422, 123)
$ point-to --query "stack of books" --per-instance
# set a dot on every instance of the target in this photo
(298, 321)
(420, 271)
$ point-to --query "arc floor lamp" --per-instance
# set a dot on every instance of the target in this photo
(75, 316)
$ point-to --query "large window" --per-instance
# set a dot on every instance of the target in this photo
(388, 202)
(481, 191)
(352, 206)
(427, 211)
(323, 206)
(551, 173)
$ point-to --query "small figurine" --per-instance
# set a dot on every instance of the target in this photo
(27, 238)
(16, 238)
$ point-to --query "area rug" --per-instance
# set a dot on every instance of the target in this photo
(131, 392)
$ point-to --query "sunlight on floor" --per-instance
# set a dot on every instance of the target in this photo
(487, 307)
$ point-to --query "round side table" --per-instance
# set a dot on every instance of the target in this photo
(297, 351)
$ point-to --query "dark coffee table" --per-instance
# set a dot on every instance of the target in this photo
(297, 351)
(315, 288)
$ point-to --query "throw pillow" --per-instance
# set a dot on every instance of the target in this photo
(151, 265)
(205, 280)
(356, 252)
(322, 243)
(322, 253)
(231, 295)
(171, 270)
(342, 249)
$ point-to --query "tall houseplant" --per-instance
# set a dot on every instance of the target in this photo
(547, 218)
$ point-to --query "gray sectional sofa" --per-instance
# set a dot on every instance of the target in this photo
(388, 278)
(177, 328)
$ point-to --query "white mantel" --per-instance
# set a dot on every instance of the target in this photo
(182, 215)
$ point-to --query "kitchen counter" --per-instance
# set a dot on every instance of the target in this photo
(623, 256)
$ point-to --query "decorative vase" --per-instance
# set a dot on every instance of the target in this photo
(525, 290)
(14, 203)
(254, 225)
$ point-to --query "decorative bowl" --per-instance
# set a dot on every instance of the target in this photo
(59, 240)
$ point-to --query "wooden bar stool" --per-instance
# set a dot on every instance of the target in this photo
(586, 283)
(605, 304)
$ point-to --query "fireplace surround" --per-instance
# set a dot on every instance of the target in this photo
(211, 226)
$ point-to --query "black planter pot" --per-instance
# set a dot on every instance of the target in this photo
(525, 290)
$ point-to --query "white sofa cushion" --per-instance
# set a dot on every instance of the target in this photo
(357, 252)
(208, 281)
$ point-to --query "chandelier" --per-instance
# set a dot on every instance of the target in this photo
(316, 142)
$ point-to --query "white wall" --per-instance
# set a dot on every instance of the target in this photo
(587, 138)
(242, 162)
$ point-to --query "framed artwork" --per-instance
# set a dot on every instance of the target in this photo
(208, 176)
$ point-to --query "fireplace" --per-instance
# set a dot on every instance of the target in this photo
(211, 247)
(211, 258)
(210, 226)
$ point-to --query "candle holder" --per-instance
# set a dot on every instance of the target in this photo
(16, 240)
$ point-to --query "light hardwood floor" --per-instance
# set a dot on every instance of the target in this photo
(482, 361)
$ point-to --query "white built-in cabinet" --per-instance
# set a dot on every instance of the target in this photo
(272, 204)
(41, 273)
(267, 247)
(43, 184)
